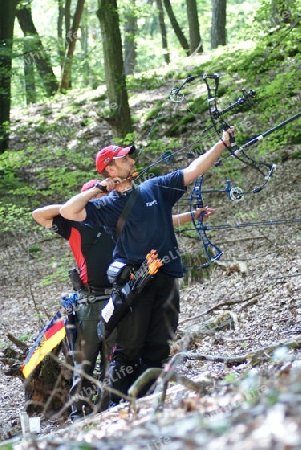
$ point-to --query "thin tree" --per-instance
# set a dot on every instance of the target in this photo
(218, 23)
(7, 19)
(67, 21)
(84, 42)
(37, 54)
(71, 42)
(130, 29)
(176, 27)
(29, 74)
(163, 31)
(194, 27)
(120, 117)
(60, 20)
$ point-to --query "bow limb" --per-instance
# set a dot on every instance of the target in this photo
(213, 252)
(219, 124)
(240, 153)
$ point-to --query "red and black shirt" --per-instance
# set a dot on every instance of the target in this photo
(92, 249)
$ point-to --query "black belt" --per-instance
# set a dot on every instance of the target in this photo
(91, 298)
(95, 291)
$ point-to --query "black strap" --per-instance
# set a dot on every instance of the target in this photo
(126, 211)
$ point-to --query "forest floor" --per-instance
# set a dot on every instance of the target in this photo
(252, 401)
(247, 374)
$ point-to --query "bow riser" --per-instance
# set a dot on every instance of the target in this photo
(213, 252)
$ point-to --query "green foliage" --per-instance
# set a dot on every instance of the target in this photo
(181, 126)
(6, 446)
(268, 62)
(273, 396)
(34, 249)
(198, 105)
(153, 113)
(59, 272)
(192, 268)
(14, 217)
(25, 337)
(231, 378)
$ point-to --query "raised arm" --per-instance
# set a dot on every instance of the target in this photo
(45, 215)
(203, 163)
(75, 207)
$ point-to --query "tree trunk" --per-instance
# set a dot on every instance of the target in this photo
(29, 75)
(130, 30)
(84, 42)
(67, 21)
(176, 27)
(38, 54)
(218, 23)
(71, 39)
(163, 30)
(60, 19)
(7, 19)
(120, 116)
(194, 27)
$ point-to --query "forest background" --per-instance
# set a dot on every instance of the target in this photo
(66, 50)
(76, 76)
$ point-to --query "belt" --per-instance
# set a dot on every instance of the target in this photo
(88, 299)
(95, 290)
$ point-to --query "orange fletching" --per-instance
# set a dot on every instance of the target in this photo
(153, 262)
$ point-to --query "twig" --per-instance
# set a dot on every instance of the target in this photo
(155, 373)
(238, 359)
(147, 376)
(286, 276)
(17, 342)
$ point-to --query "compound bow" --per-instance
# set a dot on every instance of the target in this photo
(218, 123)
(212, 251)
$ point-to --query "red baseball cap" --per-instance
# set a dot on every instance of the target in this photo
(107, 154)
(90, 184)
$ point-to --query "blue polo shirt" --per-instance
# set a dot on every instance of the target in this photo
(149, 223)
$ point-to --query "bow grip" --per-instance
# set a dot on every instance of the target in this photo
(231, 136)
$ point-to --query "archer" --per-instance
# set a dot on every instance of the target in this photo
(140, 219)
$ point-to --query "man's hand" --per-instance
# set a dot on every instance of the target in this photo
(105, 186)
(180, 219)
(204, 212)
(228, 136)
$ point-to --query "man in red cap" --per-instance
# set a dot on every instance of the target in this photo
(107, 154)
(144, 333)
